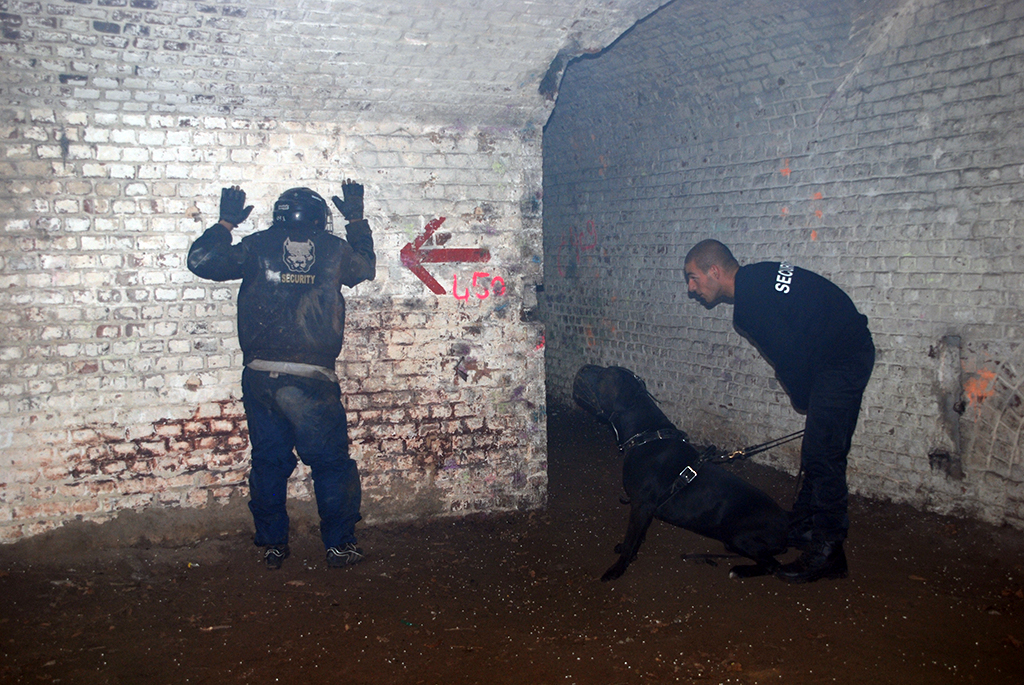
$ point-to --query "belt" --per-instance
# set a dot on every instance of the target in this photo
(320, 373)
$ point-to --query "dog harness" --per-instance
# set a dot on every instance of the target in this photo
(711, 453)
(654, 436)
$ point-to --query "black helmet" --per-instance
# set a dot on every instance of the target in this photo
(301, 207)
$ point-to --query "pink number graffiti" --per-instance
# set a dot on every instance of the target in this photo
(579, 243)
(479, 289)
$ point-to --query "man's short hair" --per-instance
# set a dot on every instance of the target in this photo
(710, 252)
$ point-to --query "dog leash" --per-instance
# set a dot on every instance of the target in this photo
(711, 454)
(757, 449)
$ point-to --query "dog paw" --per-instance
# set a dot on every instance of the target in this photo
(612, 573)
(748, 571)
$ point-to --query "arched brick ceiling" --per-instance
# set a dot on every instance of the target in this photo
(477, 61)
(709, 65)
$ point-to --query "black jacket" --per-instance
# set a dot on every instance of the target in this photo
(290, 306)
(801, 322)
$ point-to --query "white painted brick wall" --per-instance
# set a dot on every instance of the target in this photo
(120, 120)
(888, 159)
(124, 367)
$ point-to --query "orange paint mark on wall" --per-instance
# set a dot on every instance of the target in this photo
(818, 213)
(785, 171)
(978, 387)
(814, 236)
(818, 196)
(785, 211)
(591, 341)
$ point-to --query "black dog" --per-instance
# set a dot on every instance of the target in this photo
(716, 503)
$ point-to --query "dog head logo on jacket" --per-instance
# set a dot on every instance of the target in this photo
(299, 255)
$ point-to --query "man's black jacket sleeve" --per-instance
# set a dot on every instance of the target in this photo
(213, 256)
(364, 260)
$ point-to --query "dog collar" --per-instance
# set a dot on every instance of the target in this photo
(653, 436)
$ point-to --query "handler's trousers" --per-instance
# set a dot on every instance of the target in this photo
(821, 504)
(288, 414)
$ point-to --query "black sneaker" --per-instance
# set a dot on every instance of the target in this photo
(824, 560)
(346, 555)
(275, 555)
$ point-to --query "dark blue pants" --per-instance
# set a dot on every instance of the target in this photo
(288, 414)
(821, 504)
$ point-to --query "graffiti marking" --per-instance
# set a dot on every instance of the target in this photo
(578, 243)
(414, 256)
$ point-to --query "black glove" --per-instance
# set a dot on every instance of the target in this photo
(232, 205)
(352, 206)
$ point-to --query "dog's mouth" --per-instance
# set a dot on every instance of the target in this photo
(583, 391)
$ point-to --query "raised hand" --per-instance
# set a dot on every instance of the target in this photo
(352, 206)
(232, 205)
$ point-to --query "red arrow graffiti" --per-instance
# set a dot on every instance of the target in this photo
(414, 257)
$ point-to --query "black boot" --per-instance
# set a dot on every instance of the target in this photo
(799, 534)
(799, 539)
(822, 560)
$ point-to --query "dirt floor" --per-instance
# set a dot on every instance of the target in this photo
(516, 599)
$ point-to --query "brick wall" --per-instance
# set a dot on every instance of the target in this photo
(877, 143)
(120, 120)
(121, 369)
